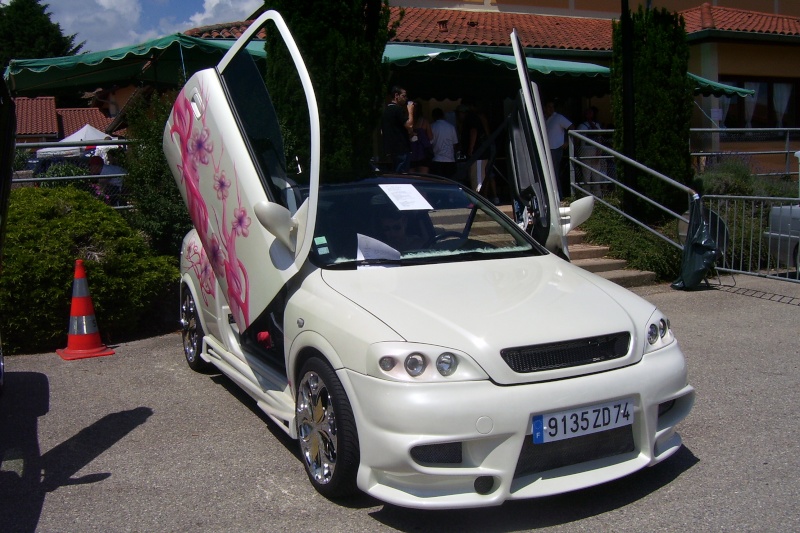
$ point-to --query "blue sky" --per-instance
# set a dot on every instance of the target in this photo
(107, 24)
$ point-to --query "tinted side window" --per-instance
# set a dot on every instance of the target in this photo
(253, 108)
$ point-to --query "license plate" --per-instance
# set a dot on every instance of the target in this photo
(582, 421)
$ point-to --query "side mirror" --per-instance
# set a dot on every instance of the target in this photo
(277, 220)
(576, 213)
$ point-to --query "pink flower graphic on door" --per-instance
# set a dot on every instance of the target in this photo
(201, 160)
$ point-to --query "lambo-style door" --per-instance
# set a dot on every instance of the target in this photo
(532, 167)
(253, 213)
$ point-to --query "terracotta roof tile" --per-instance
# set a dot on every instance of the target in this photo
(489, 28)
(425, 25)
(227, 30)
(707, 16)
(74, 118)
(36, 116)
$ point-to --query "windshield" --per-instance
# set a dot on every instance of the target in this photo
(410, 221)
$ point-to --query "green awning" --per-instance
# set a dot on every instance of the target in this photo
(167, 60)
(714, 88)
(170, 60)
(404, 54)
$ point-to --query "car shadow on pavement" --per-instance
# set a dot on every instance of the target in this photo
(543, 512)
(26, 475)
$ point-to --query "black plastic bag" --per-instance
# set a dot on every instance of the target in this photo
(699, 251)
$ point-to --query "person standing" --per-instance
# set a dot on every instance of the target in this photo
(473, 134)
(397, 127)
(445, 141)
(557, 127)
(421, 137)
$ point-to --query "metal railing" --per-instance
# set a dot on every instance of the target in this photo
(593, 172)
(770, 152)
(106, 187)
(755, 235)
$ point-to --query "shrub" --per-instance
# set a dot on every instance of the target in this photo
(641, 249)
(20, 159)
(48, 229)
(729, 177)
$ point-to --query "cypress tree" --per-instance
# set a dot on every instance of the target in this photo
(342, 43)
(663, 106)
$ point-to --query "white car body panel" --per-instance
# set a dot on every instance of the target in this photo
(482, 307)
(270, 278)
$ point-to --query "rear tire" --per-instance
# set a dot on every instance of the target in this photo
(326, 431)
(192, 333)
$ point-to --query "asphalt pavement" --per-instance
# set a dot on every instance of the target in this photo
(138, 442)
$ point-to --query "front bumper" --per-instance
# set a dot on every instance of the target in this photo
(469, 444)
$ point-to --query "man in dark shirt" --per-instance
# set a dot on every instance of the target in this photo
(396, 128)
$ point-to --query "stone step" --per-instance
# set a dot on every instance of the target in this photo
(600, 264)
(575, 237)
(587, 251)
(592, 258)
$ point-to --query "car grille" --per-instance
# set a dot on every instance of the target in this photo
(539, 357)
(535, 458)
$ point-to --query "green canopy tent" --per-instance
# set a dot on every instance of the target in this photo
(427, 71)
(166, 61)
(431, 72)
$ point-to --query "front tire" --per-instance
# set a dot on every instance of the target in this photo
(192, 333)
(326, 431)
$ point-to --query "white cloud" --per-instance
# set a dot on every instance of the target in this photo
(216, 11)
(103, 24)
(107, 24)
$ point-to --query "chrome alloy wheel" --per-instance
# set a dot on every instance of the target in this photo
(316, 427)
(192, 332)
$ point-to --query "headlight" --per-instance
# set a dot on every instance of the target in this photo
(652, 334)
(659, 333)
(415, 364)
(410, 362)
(446, 364)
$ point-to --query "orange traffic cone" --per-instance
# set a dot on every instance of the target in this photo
(83, 339)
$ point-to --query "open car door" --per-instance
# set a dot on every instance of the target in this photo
(533, 178)
(224, 146)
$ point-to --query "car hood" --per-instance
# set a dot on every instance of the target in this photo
(482, 307)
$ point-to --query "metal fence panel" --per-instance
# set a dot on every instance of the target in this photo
(756, 235)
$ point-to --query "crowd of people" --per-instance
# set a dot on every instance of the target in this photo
(458, 144)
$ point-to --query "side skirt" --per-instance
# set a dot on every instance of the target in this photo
(269, 388)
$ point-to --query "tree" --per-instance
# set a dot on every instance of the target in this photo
(160, 212)
(26, 32)
(663, 106)
(342, 43)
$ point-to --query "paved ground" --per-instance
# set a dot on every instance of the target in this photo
(138, 442)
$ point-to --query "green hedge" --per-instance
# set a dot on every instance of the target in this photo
(133, 291)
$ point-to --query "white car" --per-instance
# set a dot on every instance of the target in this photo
(419, 346)
(783, 236)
